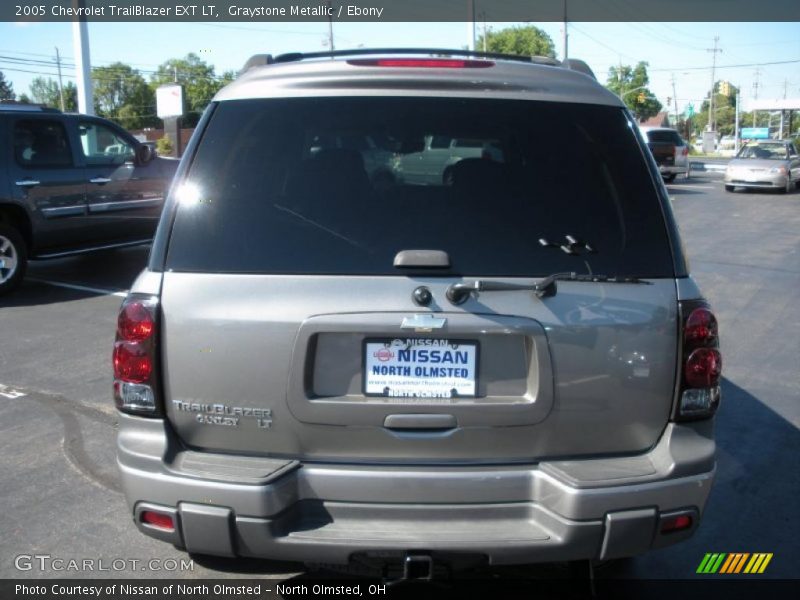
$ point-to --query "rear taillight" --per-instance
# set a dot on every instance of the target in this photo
(701, 362)
(685, 151)
(134, 358)
(421, 63)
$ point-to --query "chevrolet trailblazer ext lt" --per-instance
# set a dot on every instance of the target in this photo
(510, 365)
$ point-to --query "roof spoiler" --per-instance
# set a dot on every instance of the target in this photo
(260, 60)
(257, 60)
(575, 64)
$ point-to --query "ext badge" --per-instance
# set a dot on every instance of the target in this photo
(423, 323)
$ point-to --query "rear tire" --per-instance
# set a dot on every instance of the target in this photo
(789, 185)
(13, 258)
(728, 188)
(669, 178)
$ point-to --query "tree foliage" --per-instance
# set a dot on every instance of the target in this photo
(122, 94)
(45, 91)
(198, 79)
(524, 40)
(631, 84)
(6, 89)
(724, 112)
(164, 146)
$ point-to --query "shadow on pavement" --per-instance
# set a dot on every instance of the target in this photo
(750, 508)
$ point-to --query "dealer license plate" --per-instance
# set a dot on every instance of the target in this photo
(420, 368)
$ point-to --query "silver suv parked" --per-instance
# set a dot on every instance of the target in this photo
(512, 367)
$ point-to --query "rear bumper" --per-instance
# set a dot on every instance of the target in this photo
(550, 511)
(766, 182)
(673, 169)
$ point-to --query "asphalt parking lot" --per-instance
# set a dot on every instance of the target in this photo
(59, 491)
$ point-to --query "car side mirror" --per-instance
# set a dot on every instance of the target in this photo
(144, 154)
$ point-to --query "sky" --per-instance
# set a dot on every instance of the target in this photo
(676, 52)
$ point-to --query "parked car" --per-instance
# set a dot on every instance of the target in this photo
(727, 145)
(72, 183)
(512, 366)
(669, 150)
(433, 164)
(764, 164)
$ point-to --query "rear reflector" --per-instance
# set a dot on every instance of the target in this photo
(422, 63)
(155, 519)
(677, 523)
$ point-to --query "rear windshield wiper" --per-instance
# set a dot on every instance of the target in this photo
(458, 293)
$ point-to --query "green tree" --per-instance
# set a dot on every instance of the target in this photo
(6, 89)
(724, 111)
(631, 84)
(198, 79)
(122, 94)
(45, 91)
(524, 40)
(164, 146)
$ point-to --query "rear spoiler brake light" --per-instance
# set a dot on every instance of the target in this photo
(422, 63)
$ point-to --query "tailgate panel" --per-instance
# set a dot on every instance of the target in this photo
(271, 366)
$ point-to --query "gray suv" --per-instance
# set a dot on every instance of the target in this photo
(511, 367)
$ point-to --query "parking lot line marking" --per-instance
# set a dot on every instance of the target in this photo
(10, 393)
(82, 288)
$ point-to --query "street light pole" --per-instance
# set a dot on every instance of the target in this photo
(711, 123)
(83, 67)
(566, 34)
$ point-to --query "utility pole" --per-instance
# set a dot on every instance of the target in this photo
(675, 99)
(471, 25)
(755, 93)
(331, 47)
(83, 65)
(60, 82)
(711, 119)
(566, 34)
(483, 16)
(736, 134)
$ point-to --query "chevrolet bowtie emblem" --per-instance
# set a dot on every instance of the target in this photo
(423, 323)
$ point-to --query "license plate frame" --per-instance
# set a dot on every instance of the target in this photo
(412, 387)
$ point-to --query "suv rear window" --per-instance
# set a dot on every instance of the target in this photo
(264, 194)
(665, 137)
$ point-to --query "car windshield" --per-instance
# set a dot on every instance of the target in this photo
(765, 152)
(341, 185)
